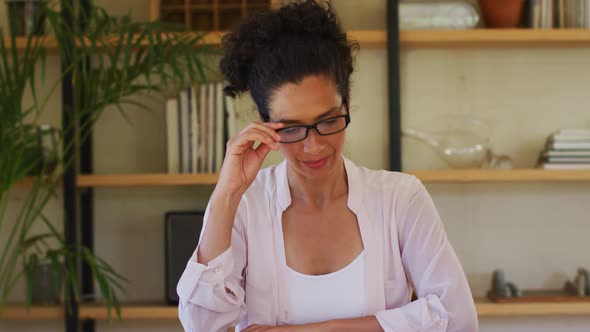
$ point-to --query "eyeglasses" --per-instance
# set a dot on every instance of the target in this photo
(324, 127)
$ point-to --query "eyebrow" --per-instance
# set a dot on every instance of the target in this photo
(323, 115)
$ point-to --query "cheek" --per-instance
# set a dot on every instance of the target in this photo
(288, 151)
(337, 141)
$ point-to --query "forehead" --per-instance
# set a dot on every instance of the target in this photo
(305, 100)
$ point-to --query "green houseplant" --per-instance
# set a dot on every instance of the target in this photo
(111, 61)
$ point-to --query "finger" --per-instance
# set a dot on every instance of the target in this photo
(248, 138)
(268, 127)
(262, 151)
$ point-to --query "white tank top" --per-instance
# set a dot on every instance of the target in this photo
(318, 298)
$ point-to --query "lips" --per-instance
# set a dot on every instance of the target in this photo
(315, 164)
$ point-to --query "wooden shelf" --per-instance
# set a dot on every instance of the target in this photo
(439, 38)
(143, 180)
(435, 176)
(21, 43)
(164, 312)
(496, 38)
(367, 38)
(131, 312)
(490, 309)
(18, 312)
(497, 175)
(211, 7)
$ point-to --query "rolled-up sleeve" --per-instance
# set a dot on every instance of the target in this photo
(445, 302)
(211, 297)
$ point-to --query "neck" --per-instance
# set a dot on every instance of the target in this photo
(318, 193)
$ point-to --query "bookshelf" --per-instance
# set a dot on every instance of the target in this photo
(486, 38)
(165, 312)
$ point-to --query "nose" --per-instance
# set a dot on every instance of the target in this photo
(313, 143)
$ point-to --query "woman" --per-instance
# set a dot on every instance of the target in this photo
(315, 243)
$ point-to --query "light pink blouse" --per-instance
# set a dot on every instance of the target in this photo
(405, 246)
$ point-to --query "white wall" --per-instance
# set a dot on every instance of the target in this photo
(536, 231)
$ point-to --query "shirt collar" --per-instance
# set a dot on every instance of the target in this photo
(354, 186)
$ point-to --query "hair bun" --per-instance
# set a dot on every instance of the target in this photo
(302, 20)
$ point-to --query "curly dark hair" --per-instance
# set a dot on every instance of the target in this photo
(281, 46)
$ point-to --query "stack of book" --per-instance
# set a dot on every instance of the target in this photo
(567, 149)
(198, 124)
(559, 13)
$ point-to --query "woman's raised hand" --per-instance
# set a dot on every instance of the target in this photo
(242, 161)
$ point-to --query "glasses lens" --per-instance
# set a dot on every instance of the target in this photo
(331, 126)
(292, 134)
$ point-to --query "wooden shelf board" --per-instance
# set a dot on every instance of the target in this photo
(364, 37)
(485, 308)
(21, 43)
(426, 176)
(496, 37)
(437, 38)
(368, 38)
(211, 7)
(135, 312)
(18, 312)
(497, 175)
(134, 180)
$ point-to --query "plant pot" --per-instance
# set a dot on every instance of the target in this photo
(502, 13)
(45, 285)
(26, 17)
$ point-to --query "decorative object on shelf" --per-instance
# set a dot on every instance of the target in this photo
(580, 286)
(503, 288)
(45, 278)
(138, 62)
(182, 231)
(566, 149)
(26, 17)
(41, 153)
(502, 13)
(463, 141)
(437, 15)
(206, 15)
(575, 290)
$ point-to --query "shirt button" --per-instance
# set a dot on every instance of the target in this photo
(440, 324)
(217, 270)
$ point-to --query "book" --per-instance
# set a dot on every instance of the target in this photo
(571, 160)
(184, 132)
(566, 153)
(568, 145)
(219, 124)
(210, 126)
(194, 126)
(551, 166)
(172, 136)
(202, 127)
(232, 125)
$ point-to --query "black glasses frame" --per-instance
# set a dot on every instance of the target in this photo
(315, 126)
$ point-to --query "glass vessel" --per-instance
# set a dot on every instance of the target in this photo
(463, 141)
